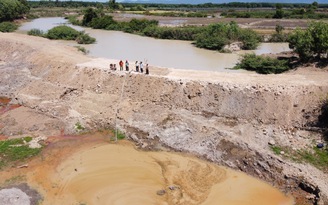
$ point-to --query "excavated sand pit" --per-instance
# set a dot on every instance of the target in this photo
(119, 174)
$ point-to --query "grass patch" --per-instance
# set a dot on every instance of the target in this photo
(120, 135)
(82, 49)
(315, 156)
(276, 149)
(78, 127)
(312, 155)
(14, 150)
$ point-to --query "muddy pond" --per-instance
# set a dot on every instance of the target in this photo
(157, 52)
(120, 174)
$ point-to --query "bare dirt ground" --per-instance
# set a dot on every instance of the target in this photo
(227, 118)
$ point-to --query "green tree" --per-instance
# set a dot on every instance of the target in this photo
(301, 42)
(312, 42)
(279, 12)
(113, 4)
(315, 4)
(89, 14)
(12, 9)
(319, 33)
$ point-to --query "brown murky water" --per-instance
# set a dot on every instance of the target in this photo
(157, 52)
(119, 174)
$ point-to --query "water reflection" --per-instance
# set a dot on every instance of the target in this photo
(162, 53)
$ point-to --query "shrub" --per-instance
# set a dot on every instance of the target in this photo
(102, 22)
(279, 37)
(35, 32)
(215, 36)
(212, 42)
(8, 27)
(249, 38)
(62, 32)
(180, 33)
(84, 38)
(82, 49)
(138, 25)
(74, 20)
(89, 15)
(263, 65)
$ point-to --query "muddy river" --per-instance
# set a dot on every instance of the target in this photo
(162, 53)
(120, 174)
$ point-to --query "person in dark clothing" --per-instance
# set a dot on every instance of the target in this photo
(127, 65)
(147, 69)
(137, 66)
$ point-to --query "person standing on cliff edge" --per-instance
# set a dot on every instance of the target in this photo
(137, 66)
(147, 69)
(126, 65)
(121, 65)
(141, 67)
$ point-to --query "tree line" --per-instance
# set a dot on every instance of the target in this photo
(76, 4)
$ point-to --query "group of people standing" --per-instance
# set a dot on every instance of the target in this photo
(139, 66)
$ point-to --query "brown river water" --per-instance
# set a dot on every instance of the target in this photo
(156, 52)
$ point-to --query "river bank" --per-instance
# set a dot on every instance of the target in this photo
(227, 118)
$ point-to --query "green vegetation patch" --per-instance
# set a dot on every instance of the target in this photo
(82, 49)
(312, 155)
(317, 157)
(35, 32)
(120, 135)
(263, 65)
(311, 43)
(84, 38)
(78, 127)
(14, 150)
(63, 33)
(8, 27)
(12, 9)
(276, 149)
